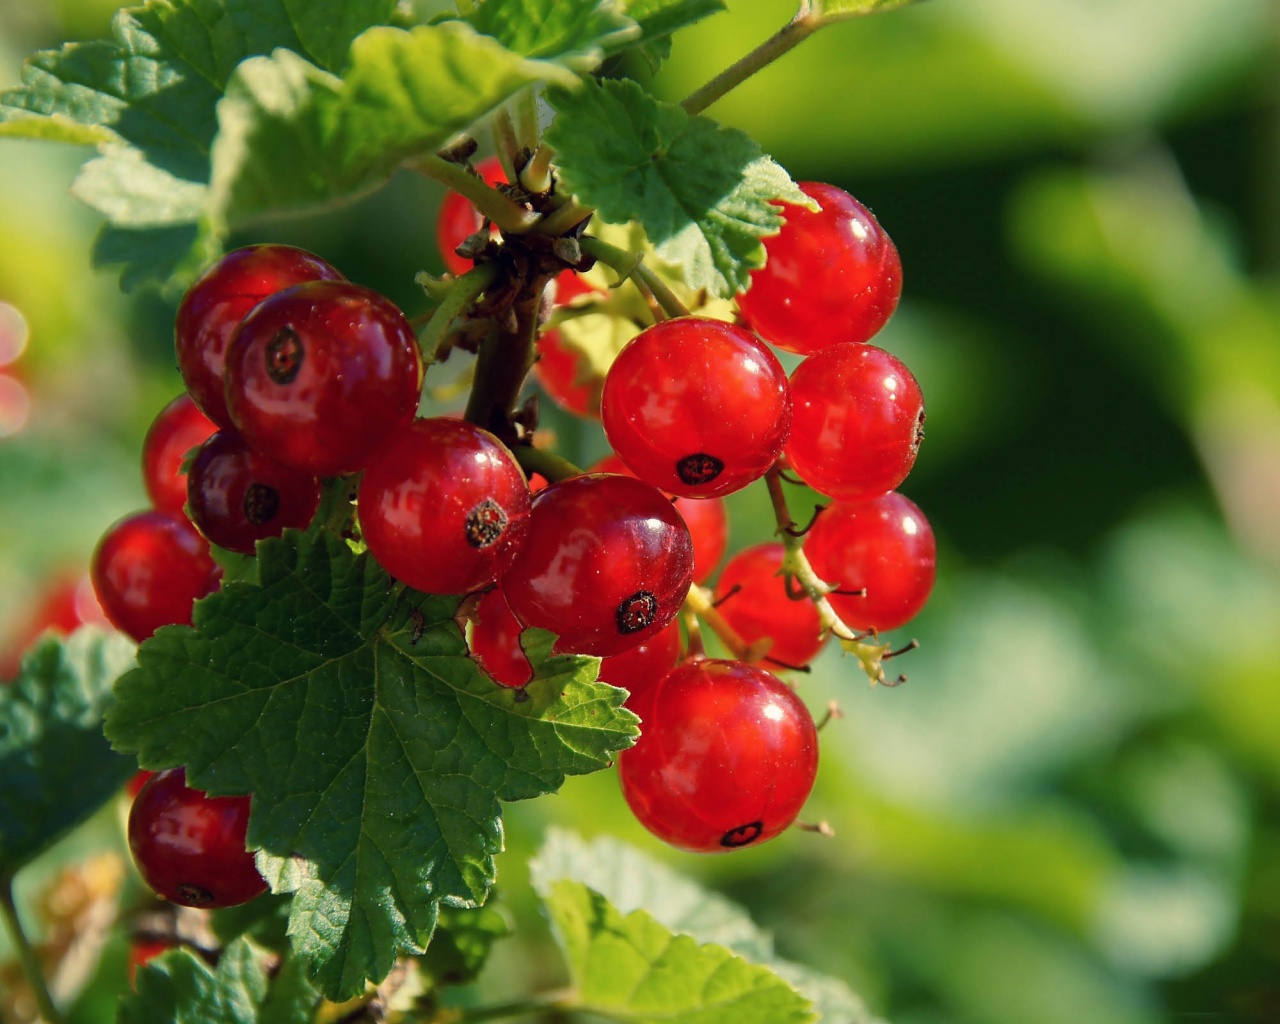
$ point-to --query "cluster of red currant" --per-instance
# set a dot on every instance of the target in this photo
(294, 374)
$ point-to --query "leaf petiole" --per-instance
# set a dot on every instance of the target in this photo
(631, 265)
(497, 207)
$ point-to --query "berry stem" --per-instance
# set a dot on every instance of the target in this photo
(796, 565)
(631, 265)
(461, 295)
(701, 602)
(497, 207)
(27, 954)
(545, 462)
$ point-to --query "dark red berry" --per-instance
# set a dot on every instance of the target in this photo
(444, 507)
(215, 305)
(643, 665)
(494, 639)
(238, 496)
(753, 599)
(726, 758)
(189, 847)
(832, 275)
(179, 428)
(320, 375)
(148, 571)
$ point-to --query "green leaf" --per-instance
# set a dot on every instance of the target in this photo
(294, 137)
(376, 749)
(180, 988)
(702, 192)
(56, 766)
(659, 18)
(578, 33)
(837, 10)
(462, 941)
(632, 968)
(632, 881)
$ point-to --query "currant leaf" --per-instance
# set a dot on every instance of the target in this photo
(632, 967)
(180, 988)
(56, 765)
(631, 881)
(376, 750)
(462, 941)
(658, 19)
(578, 34)
(702, 192)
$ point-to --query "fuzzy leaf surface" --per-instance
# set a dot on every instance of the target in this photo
(630, 967)
(376, 749)
(631, 881)
(295, 137)
(702, 192)
(180, 988)
(56, 765)
(577, 32)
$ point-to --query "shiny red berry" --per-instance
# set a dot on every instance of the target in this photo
(858, 420)
(726, 758)
(458, 220)
(753, 599)
(237, 496)
(697, 407)
(179, 428)
(560, 370)
(443, 508)
(832, 275)
(220, 299)
(644, 665)
(148, 571)
(884, 546)
(606, 563)
(189, 847)
(494, 639)
(320, 375)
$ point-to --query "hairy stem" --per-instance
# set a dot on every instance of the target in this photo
(27, 954)
(500, 209)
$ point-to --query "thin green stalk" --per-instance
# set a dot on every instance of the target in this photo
(545, 463)
(564, 219)
(461, 295)
(501, 209)
(630, 265)
(27, 955)
(506, 141)
(527, 119)
(536, 176)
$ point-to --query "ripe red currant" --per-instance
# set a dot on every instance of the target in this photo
(189, 847)
(606, 563)
(321, 374)
(696, 406)
(885, 546)
(179, 428)
(559, 368)
(458, 220)
(726, 758)
(444, 507)
(643, 666)
(858, 420)
(832, 275)
(222, 297)
(495, 641)
(238, 496)
(149, 569)
(753, 599)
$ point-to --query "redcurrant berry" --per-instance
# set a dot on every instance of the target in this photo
(444, 507)
(149, 569)
(321, 374)
(726, 758)
(832, 275)
(884, 546)
(858, 420)
(222, 297)
(238, 496)
(753, 599)
(559, 368)
(643, 665)
(606, 563)
(458, 220)
(696, 406)
(495, 641)
(180, 427)
(189, 847)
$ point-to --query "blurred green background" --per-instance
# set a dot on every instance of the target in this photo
(1069, 814)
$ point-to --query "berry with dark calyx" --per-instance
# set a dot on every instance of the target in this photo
(237, 496)
(697, 407)
(858, 420)
(707, 519)
(458, 220)
(606, 563)
(753, 599)
(726, 758)
(322, 374)
(444, 506)
(220, 299)
(884, 546)
(180, 427)
(189, 847)
(832, 275)
(643, 665)
(149, 569)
